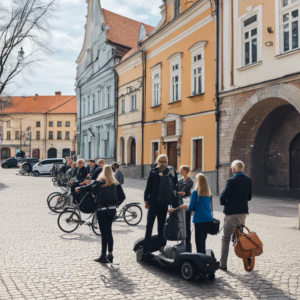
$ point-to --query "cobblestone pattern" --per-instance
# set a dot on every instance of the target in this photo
(38, 261)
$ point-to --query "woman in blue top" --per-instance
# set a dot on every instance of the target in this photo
(200, 203)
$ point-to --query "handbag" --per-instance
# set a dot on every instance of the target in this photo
(175, 226)
(247, 245)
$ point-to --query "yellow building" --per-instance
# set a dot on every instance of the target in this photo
(41, 126)
(179, 112)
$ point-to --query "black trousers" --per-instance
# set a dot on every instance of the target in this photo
(201, 230)
(161, 214)
(188, 231)
(105, 220)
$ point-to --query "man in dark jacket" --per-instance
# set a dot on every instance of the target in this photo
(234, 198)
(81, 173)
(95, 171)
(150, 197)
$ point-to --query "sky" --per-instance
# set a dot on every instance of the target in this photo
(58, 72)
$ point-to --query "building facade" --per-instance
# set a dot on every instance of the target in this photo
(108, 37)
(41, 126)
(260, 84)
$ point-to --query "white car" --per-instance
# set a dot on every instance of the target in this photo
(45, 166)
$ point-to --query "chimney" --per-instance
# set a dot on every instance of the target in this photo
(57, 93)
(35, 96)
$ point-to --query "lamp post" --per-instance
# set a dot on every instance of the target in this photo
(21, 54)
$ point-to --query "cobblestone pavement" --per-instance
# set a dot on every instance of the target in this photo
(38, 261)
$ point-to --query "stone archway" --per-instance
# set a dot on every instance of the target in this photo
(261, 135)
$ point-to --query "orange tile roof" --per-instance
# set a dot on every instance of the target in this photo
(123, 30)
(42, 104)
(129, 53)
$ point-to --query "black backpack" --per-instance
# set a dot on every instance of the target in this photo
(88, 204)
(165, 194)
(108, 196)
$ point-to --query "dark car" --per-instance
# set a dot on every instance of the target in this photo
(9, 163)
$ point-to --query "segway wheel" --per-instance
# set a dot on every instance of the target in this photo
(139, 254)
(188, 270)
(212, 276)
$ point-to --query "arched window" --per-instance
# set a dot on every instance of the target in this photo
(52, 153)
(177, 8)
(295, 163)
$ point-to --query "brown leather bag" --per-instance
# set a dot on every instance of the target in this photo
(247, 245)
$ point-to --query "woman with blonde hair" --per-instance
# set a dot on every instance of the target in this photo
(109, 193)
(200, 204)
(151, 196)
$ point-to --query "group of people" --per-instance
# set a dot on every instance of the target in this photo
(101, 181)
(106, 180)
(234, 198)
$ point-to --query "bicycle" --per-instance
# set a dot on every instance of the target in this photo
(70, 219)
(56, 201)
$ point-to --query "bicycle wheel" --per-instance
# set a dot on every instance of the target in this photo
(51, 195)
(68, 221)
(57, 202)
(95, 225)
(133, 215)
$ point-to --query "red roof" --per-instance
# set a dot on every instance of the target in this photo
(123, 30)
(42, 104)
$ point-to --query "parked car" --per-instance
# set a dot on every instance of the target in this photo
(32, 161)
(45, 166)
(9, 163)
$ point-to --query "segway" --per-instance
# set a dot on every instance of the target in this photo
(176, 257)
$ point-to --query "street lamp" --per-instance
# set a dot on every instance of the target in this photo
(21, 54)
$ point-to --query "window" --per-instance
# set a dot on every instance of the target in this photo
(197, 154)
(89, 106)
(67, 124)
(38, 135)
(50, 124)
(83, 111)
(197, 68)
(108, 96)
(98, 143)
(99, 101)
(171, 128)
(8, 124)
(290, 24)
(38, 124)
(59, 124)
(90, 149)
(249, 37)
(59, 135)
(17, 135)
(156, 75)
(50, 135)
(67, 135)
(106, 146)
(94, 104)
(8, 137)
(177, 8)
(133, 102)
(175, 77)
(122, 106)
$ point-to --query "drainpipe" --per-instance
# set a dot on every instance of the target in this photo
(143, 108)
(79, 137)
(116, 112)
(217, 99)
(45, 133)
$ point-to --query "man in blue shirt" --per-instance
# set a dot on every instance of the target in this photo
(234, 198)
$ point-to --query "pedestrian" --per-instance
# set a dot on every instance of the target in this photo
(118, 174)
(94, 170)
(73, 167)
(109, 191)
(185, 185)
(234, 198)
(101, 163)
(151, 194)
(202, 218)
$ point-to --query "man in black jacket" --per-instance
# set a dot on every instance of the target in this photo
(81, 173)
(95, 171)
(234, 198)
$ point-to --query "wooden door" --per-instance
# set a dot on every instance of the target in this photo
(155, 151)
(5, 153)
(172, 154)
(66, 152)
(199, 155)
(133, 152)
(295, 163)
(36, 153)
(52, 153)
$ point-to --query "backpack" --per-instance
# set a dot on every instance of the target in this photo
(247, 245)
(108, 196)
(175, 226)
(165, 193)
(88, 204)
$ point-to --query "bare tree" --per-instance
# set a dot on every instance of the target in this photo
(26, 23)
